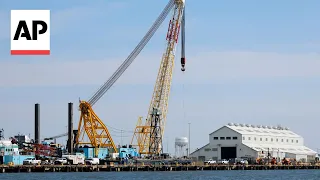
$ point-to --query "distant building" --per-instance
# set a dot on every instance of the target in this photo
(250, 142)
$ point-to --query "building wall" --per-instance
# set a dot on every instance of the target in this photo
(227, 137)
(89, 152)
(224, 137)
(17, 160)
(246, 152)
(298, 141)
(201, 154)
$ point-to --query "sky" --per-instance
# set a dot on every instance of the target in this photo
(246, 62)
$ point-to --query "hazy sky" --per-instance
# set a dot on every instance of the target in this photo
(247, 62)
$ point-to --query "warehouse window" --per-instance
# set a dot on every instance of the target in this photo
(215, 138)
(277, 140)
(214, 149)
(255, 138)
(291, 140)
(235, 137)
(228, 138)
(222, 138)
(266, 139)
(296, 141)
(272, 139)
(260, 139)
(249, 138)
(287, 140)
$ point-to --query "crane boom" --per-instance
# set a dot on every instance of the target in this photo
(105, 87)
(90, 124)
(152, 132)
(55, 137)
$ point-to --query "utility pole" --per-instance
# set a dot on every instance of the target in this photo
(268, 156)
(121, 138)
(189, 141)
(167, 145)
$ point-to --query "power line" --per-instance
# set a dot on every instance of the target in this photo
(120, 130)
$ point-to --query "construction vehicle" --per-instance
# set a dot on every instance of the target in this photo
(90, 124)
(31, 161)
(148, 136)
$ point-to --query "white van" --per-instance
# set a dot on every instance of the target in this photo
(92, 161)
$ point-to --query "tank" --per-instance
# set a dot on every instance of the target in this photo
(181, 141)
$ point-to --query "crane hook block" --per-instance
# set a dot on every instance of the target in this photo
(183, 63)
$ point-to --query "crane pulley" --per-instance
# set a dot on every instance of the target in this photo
(90, 124)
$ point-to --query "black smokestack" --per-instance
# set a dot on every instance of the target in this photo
(70, 128)
(37, 124)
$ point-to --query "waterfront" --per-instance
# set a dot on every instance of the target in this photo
(192, 175)
(120, 168)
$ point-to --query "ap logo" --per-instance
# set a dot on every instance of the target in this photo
(30, 32)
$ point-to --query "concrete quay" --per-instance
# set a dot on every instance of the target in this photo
(120, 168)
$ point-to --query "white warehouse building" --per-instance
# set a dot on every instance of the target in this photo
(250, 142)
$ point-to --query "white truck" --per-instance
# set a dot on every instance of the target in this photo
(223, 161)
(31, 161)
(92, 161)
(61, 161)
(74, 159)
(210, 162)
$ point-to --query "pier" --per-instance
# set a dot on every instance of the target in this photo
(123, 168)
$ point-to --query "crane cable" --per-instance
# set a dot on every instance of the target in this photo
(103, 89)
(183, 56)
(183, 98)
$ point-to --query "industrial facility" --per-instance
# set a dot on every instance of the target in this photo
(91, 139)
(245, 141)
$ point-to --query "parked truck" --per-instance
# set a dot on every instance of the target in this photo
(75, 159)
(92, 161)
(31, 161)
(210, 162)
(61, 161)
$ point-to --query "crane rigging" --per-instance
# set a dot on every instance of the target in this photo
(55, 137)
(90, 124)
(183, 31)
(149, 136)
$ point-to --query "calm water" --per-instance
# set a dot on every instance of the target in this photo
(223, 175)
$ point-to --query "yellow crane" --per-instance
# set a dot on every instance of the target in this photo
(90, 125)
(148, 136)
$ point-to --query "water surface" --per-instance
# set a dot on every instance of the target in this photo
(167, 175)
